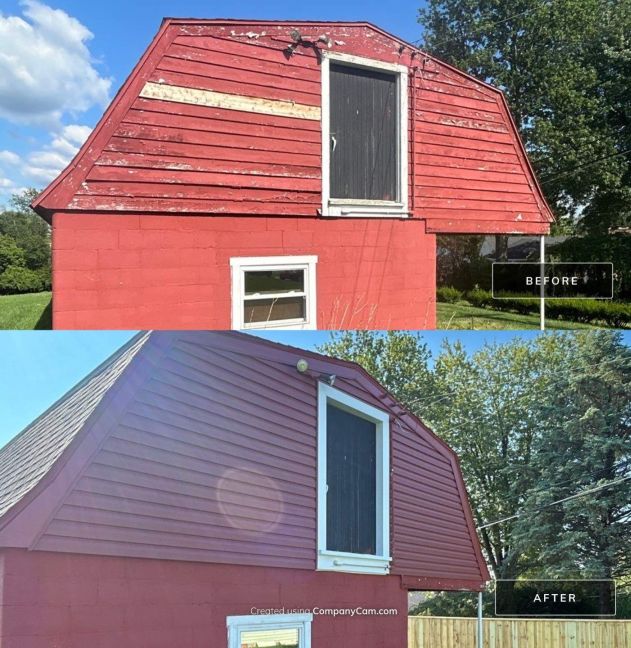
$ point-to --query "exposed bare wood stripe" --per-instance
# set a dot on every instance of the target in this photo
(181, 94)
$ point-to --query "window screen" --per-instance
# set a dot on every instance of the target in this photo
(363, 131)
(351, 482)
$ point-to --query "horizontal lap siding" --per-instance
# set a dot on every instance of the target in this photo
(214, 460)
(173, 157)
(467, 168)
(469, 171)
(430, 533)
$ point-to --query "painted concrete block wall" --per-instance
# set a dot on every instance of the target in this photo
(161, 272)
(71, 601)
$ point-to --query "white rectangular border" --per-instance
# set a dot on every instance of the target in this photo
(238, 624)
(238, 267)
(338, 560)
(365, 208)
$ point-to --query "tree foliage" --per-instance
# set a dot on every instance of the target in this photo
(22, 229)
(565, 67)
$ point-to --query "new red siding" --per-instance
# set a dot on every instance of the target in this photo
(76, 601)
(211, 457)
(123, 271)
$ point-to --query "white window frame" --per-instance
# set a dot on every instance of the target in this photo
(240, 265)
(238, 624)
(342, 207)
(342, 561)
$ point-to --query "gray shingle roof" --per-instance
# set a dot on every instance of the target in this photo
(32, 453)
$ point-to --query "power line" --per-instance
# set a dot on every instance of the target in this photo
(586, 164)
(567, 482)
(560, 501)
(488, 26)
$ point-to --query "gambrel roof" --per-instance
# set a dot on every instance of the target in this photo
(218, 119)
(183, 446)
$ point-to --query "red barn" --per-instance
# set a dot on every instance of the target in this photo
(195, 490)
(281, 174)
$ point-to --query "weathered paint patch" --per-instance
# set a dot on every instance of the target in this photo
(214, 99)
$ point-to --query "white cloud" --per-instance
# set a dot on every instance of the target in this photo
(46, 68)
(45, 165)
(9, 158)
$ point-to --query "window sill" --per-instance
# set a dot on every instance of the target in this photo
(290, 325)
(365, 209)
(353, 563)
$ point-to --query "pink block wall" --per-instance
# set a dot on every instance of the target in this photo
(55, 600)
(173, 272)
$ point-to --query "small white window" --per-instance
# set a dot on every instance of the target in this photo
(353, 484)
(274, 292)
(364, 137)
(270, 631)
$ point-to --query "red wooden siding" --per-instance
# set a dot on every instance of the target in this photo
(468, 170)
(75, 601)
(213, 459)
(148, 271)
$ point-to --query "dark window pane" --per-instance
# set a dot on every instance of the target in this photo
(273, 309)
(363, 124)
(273, 281)
(351, 480)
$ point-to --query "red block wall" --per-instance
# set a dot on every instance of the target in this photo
(72, 601)
(173, 272)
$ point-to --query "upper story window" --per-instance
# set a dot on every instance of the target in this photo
(274, 292)
(365, 137)
(353, 484)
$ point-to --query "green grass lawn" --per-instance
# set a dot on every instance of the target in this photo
(464, 316)
(33, 311)
(30, 311)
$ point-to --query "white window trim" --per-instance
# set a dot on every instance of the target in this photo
(365, 208)
(254, 622)
(240, 265)
(350, 562)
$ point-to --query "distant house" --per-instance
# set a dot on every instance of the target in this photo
(276, 174)
(519, 248)
(208, 489)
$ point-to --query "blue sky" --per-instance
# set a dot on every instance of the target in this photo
(61, 61)
(38, 367)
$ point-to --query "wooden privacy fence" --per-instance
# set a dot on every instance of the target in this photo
(459, 632)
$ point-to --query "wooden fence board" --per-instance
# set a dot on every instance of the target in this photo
(458, 632)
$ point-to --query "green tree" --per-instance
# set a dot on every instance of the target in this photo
(564, 68)
(398, 360)
(10, 254)
(584, 443)
(30, 232)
